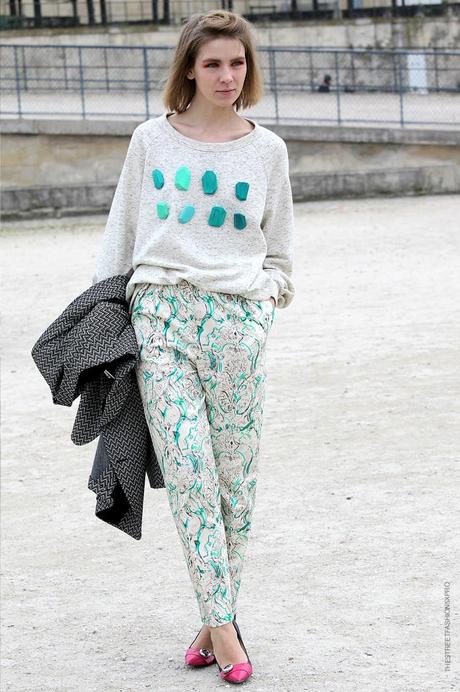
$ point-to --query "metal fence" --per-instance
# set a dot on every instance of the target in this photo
(301, 85)
(35, 14)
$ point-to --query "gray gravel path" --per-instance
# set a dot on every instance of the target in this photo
(356, 522)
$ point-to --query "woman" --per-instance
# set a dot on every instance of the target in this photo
(202, 220)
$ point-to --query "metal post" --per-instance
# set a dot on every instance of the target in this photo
(166, 12)
(395, 72)
(353, 75)
(273, 81)
(436, 73)
(82, 87)
(25, 84)
(106, 70)
(37, 13)
(146, 83)
(401, 103)
(66, 81)
(310, 64)
(18, 84)
(90, 6)
(339, 116)
(155, 11)
(103, 9)
(74, 12)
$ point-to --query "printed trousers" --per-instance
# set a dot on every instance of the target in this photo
(201, 374)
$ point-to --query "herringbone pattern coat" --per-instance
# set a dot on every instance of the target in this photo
(90, 351)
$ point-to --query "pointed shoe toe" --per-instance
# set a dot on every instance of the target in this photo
(238, 672)
(199, 657)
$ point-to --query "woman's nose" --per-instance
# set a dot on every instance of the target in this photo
(226, 76)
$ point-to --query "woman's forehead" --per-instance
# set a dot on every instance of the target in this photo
(216, 48)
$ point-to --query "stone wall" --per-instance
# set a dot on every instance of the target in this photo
(412, 32)
(52, 167)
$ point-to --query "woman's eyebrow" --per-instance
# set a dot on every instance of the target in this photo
(238, 57)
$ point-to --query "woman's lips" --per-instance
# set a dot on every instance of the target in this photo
(226, 91)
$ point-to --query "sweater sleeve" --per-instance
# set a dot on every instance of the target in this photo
(117, 243)
(278, 227)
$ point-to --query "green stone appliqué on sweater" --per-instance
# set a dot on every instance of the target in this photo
(183, 177)
(158, 178)
(209, 186)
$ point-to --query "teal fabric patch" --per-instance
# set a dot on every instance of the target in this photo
(209, 182)
(241, 190)
(183, 177)
(163, 210)
(158, 178)
(186, 213)
(217, 216)
(239, 221)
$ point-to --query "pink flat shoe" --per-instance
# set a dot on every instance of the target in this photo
(236, 672)
(199, 657)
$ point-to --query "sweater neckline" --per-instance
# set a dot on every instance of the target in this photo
(211, 146)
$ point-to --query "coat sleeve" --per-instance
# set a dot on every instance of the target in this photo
(278, 227)
(117, 243)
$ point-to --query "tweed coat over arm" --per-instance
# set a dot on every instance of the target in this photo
(91, 350)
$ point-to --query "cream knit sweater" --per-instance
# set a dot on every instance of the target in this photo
(219, 215)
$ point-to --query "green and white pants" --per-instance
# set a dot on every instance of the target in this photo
(201, 375)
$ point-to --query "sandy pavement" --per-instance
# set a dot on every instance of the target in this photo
(355, 529)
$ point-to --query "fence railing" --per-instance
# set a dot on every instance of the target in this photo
(317, 85)
(36, 14)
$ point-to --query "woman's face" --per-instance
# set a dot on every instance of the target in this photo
(220, 70)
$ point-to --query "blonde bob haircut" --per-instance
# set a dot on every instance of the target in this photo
(200, 28)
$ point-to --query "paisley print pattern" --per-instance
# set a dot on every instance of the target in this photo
(201, 374)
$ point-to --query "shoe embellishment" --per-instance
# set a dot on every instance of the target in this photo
(205, 652)
(227, 668)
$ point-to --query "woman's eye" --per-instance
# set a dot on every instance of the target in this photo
(214, 63)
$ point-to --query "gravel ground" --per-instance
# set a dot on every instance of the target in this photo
(356, 523)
